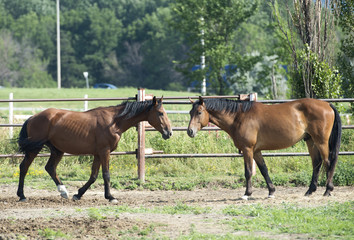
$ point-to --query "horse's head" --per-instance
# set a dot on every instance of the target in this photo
(159, 120)
(199, 117)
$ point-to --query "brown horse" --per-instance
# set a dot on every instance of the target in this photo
(96, 132)
(254, 127)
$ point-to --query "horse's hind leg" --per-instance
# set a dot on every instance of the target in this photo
(316, 165)
(94, 173)
(106, 177)
(264, 170)
(25, 164)
(329, 183)
(324, 152)
(51, 168)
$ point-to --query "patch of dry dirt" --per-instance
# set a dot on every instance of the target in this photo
(47, 210)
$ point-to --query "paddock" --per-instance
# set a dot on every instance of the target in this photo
(140, 213)
(168, 213)
(143, 153)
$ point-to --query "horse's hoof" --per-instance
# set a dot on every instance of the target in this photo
(308, 193)
(64, 195)
(23, 200)
(244, 197)
(113, 201)
(63, 191)
(271, 196)
(327, 194)
(76, 198)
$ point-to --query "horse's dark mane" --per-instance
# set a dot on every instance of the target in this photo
(132, 109)
(227, 105)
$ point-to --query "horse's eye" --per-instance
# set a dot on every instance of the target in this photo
(160, 113)
(199, 113)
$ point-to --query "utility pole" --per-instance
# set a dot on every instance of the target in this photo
(58, 46)
(202, 59)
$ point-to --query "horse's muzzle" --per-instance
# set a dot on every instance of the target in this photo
(191, 132)
(166, 134)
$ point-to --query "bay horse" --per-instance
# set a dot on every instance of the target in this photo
(95, 132)
(254, 127)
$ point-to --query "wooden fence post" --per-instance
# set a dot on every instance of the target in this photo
(11, 115)
(85, 103)
(253, 97)
(141, 141)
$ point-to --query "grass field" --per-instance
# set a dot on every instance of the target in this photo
(179, 174)
(20, 93)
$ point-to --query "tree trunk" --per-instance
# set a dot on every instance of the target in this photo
(274, 85)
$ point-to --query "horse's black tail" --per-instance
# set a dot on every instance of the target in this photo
(334, 141)
(25, 144)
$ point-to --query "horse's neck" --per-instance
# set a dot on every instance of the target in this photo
(223, 120)
(124, 124)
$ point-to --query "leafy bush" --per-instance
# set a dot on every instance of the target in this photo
(344, 174)
(325, 82)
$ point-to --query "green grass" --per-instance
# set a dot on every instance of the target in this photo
(335, 220)
(178, 208)
(200, 236)
(53, 93)
(48, 233)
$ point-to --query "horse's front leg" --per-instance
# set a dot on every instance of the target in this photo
(106, 179)
(264, 170)
(248, 161)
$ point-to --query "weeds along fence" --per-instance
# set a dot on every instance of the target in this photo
(143, 153)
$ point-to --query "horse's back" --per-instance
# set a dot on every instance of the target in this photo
(68, 131)
(282, 125)
(40, 123)
(312, 109)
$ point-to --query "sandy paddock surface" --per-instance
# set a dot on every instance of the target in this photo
(45, 209)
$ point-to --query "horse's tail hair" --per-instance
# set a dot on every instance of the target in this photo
(334, 140)
(25, 144)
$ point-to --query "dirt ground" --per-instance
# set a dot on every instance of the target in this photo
(47, 210)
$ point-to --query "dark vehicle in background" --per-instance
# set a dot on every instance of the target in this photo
(104, 85)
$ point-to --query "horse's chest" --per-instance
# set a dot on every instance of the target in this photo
(115, 142)
(107, 139)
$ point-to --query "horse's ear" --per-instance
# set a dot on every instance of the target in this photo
(201, 100)
(160, 101)
(154, 101)
(190, 100)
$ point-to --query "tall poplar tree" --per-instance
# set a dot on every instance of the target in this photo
(209, 26)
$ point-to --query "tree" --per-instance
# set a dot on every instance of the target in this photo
(18, 8)
(258, 36)
(89, 35)
(145, 53)
(21, 64)
(310, 35)
(214, 22)
(161, 45)
(346, 57)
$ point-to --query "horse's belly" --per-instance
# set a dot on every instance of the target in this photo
(279, 141)
(74, 145)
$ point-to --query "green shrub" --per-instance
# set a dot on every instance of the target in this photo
(344, 173)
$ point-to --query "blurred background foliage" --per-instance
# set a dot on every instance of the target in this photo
(155, 43)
